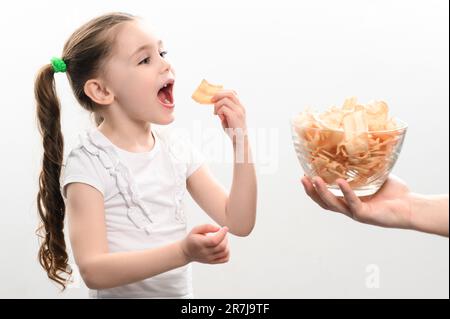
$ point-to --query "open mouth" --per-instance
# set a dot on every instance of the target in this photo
(165, 94)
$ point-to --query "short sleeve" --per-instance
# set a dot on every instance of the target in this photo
(196, 160)
(82, 167)
(182, 149)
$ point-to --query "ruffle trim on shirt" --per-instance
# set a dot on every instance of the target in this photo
(137, 211)
(179, 168)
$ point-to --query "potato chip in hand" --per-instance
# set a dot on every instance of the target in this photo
(205, 92)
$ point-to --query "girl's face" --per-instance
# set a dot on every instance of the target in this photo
(140, 76)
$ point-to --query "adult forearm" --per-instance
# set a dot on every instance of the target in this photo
(429, 213)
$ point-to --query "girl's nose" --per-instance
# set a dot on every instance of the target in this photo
(166, 66)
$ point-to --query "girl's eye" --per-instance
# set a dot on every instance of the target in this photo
(163, 54)
(145, 61)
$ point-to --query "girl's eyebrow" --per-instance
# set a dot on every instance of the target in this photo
(146, 46)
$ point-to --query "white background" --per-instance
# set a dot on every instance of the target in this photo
(280, 56)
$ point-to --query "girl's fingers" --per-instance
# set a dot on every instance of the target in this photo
(226, 102)
(225, 113)
(203, 229)
(353, 202)
(226, 94)
(221, 260)
(311, 192)
(216, 239)
(221, 254)
(221, 247)
(330, 200)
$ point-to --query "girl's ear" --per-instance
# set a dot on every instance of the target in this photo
(98, 92)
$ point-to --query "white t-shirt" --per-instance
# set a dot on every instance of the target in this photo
(143, 198)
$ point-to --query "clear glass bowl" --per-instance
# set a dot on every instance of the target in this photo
(324, 153)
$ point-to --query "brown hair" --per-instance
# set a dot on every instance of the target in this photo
(84, 54)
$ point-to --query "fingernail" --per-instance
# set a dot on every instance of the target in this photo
(340, 182)
(315, 181)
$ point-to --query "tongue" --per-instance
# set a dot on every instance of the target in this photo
(164, 96)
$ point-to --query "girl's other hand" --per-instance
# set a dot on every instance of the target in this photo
(203, 247)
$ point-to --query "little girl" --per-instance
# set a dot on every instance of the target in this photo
(123, 185)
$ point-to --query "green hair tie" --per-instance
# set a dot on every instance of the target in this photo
(58, 65)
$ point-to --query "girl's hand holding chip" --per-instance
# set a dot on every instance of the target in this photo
(231, 112)
(236, 209)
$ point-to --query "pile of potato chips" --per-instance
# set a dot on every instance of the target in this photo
(354, 142)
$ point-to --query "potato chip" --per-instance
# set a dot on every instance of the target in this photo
(353, 142)
(377, 115)
(205, 92)
(350, 103)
